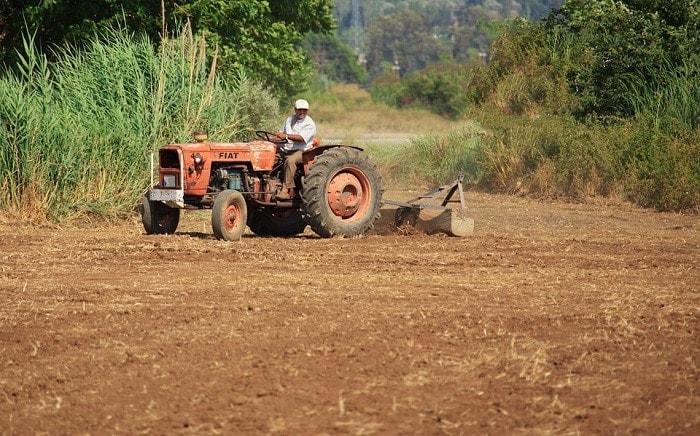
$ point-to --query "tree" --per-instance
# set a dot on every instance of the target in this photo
(333, 59)
(404, 39)
(467, 35)
(621, 44)
(262, 38)
(259, 36)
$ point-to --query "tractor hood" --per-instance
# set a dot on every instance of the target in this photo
(259, 155)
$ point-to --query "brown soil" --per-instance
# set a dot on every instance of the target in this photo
(551, 318)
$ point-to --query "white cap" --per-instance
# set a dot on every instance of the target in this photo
(301, 104)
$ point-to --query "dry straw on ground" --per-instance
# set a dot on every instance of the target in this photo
(551, 318)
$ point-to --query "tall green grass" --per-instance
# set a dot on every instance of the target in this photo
(663, 145)
(674, 100)
(434, 158)
(555, 156)
(551, 156)
(76, 136)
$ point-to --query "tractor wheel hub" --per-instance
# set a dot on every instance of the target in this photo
(344, 195)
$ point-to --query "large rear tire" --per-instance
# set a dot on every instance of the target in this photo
(342, 194)
(158, 218)
(276, 222)
(228, 215)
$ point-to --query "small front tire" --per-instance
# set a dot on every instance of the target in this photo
(229, 215)
(158, 218)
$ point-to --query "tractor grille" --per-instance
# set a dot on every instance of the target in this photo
(169, 159)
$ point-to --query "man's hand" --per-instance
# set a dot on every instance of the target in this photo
(282, 136)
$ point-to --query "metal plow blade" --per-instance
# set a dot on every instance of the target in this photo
(426, 215)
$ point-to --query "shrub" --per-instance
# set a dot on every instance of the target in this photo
(387, 89)
(546, 156)
(433, 158)
(440, 89)
(663, 169)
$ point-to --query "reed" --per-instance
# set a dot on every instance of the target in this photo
(76, 135)
(672, 100)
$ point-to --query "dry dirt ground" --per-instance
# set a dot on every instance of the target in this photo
(552, 318)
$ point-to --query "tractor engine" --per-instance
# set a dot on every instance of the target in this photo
(227, 178)
(258, 186)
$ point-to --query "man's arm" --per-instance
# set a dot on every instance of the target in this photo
(290, 136)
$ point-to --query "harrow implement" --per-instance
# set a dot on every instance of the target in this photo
(435, 211)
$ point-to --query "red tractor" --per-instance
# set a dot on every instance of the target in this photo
(338, 189)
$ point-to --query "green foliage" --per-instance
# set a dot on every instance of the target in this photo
(405, 39)
(387, 89)
(262, 38)
(547, 156)
(257, 36)
(59, 21)
(598, 100)
(440, 88)
(672, 99)
(440, 158)
(519, 79)
(628, 75)
(664, 172)
(76, 135)
(621, 41)
(555, 156)
(333, 60)
(455, 24)
(435, 158)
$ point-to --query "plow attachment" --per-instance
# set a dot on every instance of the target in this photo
(427, 215)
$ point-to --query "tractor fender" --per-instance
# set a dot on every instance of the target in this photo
(310, 155)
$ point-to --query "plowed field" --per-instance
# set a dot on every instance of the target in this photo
(551, 318)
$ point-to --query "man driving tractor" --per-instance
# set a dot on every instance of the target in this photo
(298, 134)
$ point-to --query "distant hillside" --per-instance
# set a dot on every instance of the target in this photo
(411, 34)
(362, 13)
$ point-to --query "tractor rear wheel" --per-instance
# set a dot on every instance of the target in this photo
(158, 218)
(342, 193)
(228, 215)
(276, 222)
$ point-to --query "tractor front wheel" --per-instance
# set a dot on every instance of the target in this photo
(228, 216)
(158, 218)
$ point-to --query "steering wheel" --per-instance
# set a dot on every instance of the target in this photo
(264, 134)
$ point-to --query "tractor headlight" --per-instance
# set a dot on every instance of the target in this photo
(198, 159)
